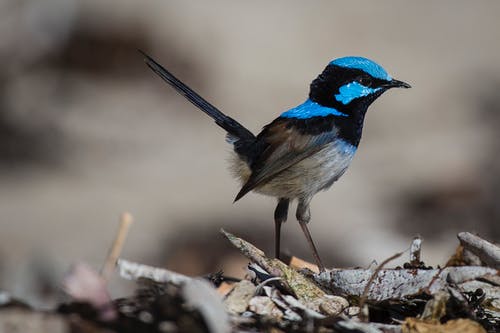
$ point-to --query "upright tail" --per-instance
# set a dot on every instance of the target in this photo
(233, 128)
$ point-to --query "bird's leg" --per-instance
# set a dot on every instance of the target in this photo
(280, 216)
(303, 216)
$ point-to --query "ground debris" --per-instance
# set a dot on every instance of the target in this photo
(28, 321)
(276, 297)
(413, 325)
(487, 252)
(134, 271)
(264, 306)
(306, 291)
(239, 297)
(397, 283)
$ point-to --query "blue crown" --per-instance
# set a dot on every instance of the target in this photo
(363, 64)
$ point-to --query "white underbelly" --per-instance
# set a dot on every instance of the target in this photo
(307, 177)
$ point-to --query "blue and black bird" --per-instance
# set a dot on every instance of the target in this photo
(307, 148)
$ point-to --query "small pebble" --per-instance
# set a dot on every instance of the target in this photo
(352, 311)
(333, 305)
(237, 300)
(264, 306)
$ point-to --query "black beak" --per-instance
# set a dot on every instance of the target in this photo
(396, 84)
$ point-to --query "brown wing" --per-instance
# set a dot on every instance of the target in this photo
(285, 147)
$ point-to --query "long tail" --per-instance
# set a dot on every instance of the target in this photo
(233, 128)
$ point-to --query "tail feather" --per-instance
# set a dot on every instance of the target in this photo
(235, 129)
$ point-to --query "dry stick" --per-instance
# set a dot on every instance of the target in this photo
(301, 286)
(434, 279)
(398, 283)
(134, 271)
(273, 266)
(489, 253)
(364, 297)
(109, 266)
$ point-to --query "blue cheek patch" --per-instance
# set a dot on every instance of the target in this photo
(310, 109)
(353, 90)
(366, 65)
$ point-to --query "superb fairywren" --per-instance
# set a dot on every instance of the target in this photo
(307, 148)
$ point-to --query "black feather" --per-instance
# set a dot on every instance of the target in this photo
(233, 127)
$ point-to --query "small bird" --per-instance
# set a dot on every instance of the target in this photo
(307, 148)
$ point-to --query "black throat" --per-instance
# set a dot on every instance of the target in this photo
(348, 128)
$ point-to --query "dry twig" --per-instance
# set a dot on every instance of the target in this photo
(370, 282)
(488, 253)
(305, 289)
(109, 266)
(133, 271)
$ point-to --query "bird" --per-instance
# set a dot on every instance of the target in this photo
(306, 148)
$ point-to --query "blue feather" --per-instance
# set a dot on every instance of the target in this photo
(346, 148)
(353, 90)
(363, 64)
(310, 109)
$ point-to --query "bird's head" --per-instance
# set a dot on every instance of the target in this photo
(351, 84)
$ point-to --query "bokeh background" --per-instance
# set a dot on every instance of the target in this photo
(87, 131)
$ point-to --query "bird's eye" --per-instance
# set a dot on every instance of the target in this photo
(365, 81)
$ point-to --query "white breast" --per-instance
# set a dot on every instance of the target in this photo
(306, 178)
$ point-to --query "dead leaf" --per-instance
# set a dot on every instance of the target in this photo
(414, 325)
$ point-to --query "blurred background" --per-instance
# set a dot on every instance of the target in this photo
(87, 131)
